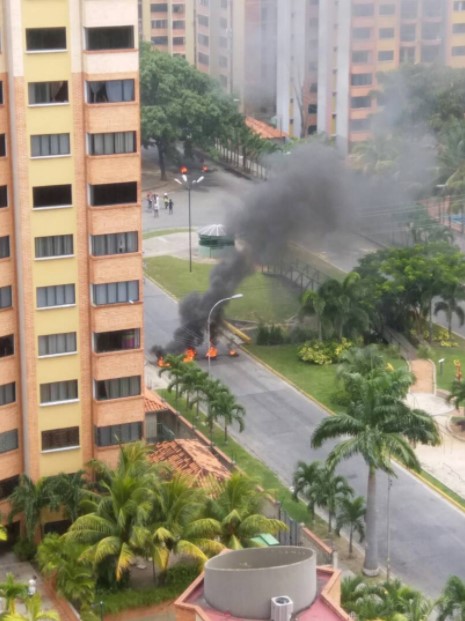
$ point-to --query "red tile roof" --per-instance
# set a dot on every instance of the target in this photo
(154, 403)
(265, 131)
(190, 457)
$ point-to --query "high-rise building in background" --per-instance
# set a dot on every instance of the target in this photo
(310, 65)
(71, 357)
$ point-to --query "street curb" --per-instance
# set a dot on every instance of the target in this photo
(439, 491)
(156, 283)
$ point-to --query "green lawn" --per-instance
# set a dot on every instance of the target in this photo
(265, 298)
(162, 233)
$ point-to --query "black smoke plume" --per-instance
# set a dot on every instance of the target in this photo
(310, 194)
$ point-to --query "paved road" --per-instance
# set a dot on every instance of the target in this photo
(427, 533)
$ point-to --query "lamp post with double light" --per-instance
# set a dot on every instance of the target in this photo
(188, 183)
(236, 296)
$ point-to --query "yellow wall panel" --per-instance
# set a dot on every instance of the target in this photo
(61, 461)
(44, 67)
(45, 14)
(58, 416)
(58, 368)
(48, 320)
(49, 119)
(42, 173)
(53, 222)
(55, 272)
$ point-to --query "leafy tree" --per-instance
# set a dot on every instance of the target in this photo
(451, 603)
(457, 393)
(314, 304)
(351, 513)
(34, 611)
(180, 103)
(450, 305)
(379, 155)
(378, 425)
(11, 590)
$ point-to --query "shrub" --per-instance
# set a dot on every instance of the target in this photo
(425, 352)
(270, 335)
(323, 352)
(25, 549)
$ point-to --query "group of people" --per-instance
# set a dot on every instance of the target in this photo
(153, 202)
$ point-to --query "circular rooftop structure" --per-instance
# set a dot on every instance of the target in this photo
(243, 582)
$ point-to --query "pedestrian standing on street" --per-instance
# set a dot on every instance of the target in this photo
(156, 206)
(149, 201)
(166, 200)
(170, 206)
(32, 586)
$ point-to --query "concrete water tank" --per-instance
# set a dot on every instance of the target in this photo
(243, 582)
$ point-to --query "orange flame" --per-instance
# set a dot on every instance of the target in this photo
(190, 355)
(161, 362)
(212, 352)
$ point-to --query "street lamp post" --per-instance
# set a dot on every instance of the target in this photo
(388, 529)
(188, 183)
(232, 297)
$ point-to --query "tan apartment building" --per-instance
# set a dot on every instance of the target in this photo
(169, 26)
(71, 320)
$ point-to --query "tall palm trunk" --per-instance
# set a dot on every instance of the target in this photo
(370, 565)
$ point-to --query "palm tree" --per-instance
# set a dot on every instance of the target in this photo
(314, 304)
(223, 405)
(68, 489)
(34, 612)
(457, 393)
(376, 156)
(11, 590)
(307, 481)
(31, 499)
(191, 382)
(234, 514)
(379, 426)
(73, 579)
(450, 304)
(173, 526)
(212, 391)
(451, 603)
(351, 513)
(344, 305)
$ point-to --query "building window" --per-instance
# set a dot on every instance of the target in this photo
(312, 108)
(361, 33)
(159, 23)
(1, 93)
(115, 243)
(4, 247)
(50, 145)
(363, 10)
(387, 9)
(359, 125)
(56, 344)
(458, 28)
(459, 6)
(116, 292)
(117, 388)
(45, 39)
(2, 145)
(431, 31)
(430, 54)
(8, 442)
(6, 297)
(223, 61)
(54, 246)
(360, 102)
(52, 196)
(56, 392)
(43, 93)
(203, 58)
(179, 41)
(117, 434)
(7, 345)
(160, 40)
(116, 341)
(7, 393)
(203, 39)
(3, 196)
(60, 438)
(407, 55)
(204, 21)
(56, 295)
(458, 50)
(113, 193)
(112, 143)
(159, 7)
(385, 55)
(361, 79)
(110, 38)
(312, 129)
(386, 33)
(361, 57)
(409, 9)
(110, 91)
(8, 485)
(178, 8)
(179, 24)
(408, 32)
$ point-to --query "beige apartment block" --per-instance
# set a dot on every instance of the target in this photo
(71, 320)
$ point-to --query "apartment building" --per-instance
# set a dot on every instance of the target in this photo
(71, 320)
(169, 26)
